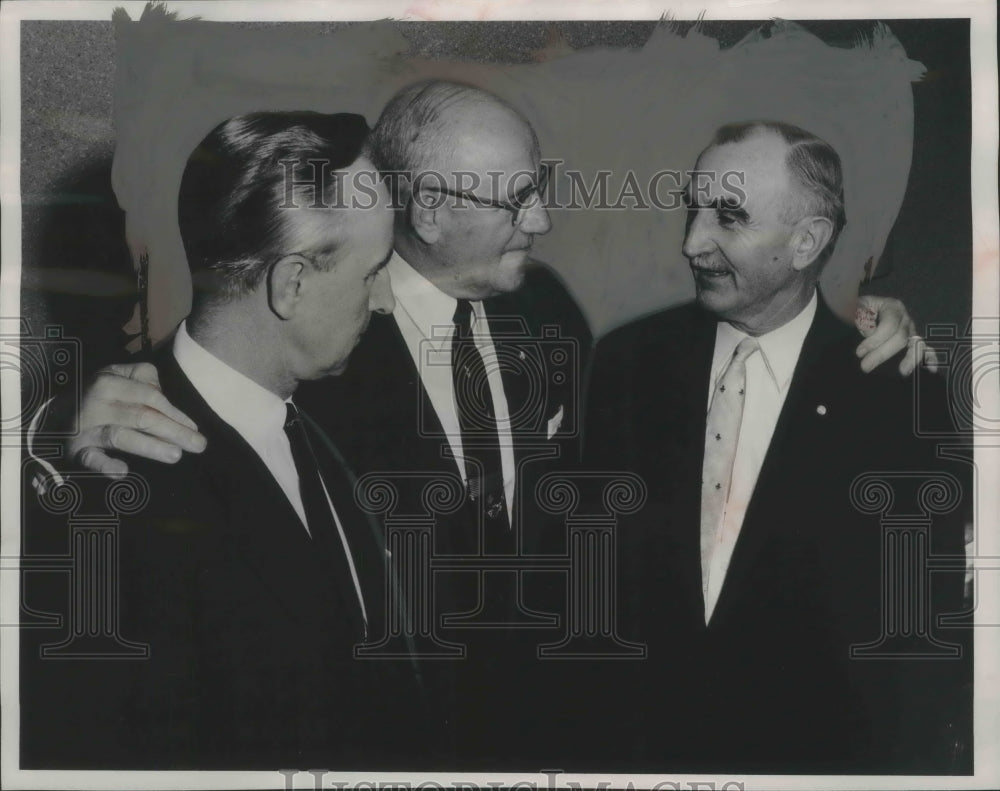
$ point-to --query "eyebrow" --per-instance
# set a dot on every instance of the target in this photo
(325, 250)
(533, 186)
(525, 192)
(721, 205)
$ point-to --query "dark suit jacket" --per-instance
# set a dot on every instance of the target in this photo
(250, 637)
(383, 421)
(769, 684)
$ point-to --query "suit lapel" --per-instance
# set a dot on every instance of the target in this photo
(412, 412)
(364, 536)
(262, 528)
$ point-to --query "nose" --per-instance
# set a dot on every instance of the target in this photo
(381, 299)
(697, 235)
(536, 218)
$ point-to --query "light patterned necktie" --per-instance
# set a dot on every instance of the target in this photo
(722, 433)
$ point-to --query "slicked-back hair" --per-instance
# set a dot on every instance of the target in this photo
(243, 179)
(812, 163)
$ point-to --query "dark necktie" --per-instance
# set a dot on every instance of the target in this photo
(480, 441)
(319, 517)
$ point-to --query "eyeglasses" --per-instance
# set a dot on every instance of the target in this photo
(520, 203)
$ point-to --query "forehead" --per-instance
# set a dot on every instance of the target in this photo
(486, 137)
(756, 164)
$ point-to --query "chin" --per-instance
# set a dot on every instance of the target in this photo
(510, 273)
(713, 302)
(335, 369)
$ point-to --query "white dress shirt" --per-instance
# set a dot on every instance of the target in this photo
(425, 316)
(257, 415)
(769, 373)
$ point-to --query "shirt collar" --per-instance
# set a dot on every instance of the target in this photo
(428, 307)
(246, 406)
(779, 348)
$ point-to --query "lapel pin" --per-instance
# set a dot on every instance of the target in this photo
(821, 410)
(520, 355)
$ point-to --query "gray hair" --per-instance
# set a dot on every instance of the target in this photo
(415, 131)
(813, 164)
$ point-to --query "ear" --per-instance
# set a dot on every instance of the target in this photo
(424, 220)
(810, 239)
(285, 285)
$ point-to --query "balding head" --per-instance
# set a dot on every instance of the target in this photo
(430, 125)
(467, 174)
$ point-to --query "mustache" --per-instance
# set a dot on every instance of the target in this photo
(710, 263)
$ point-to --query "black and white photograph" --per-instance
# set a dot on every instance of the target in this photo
(499, 395)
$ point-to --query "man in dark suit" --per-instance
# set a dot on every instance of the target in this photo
(250, 574)
(473, 379)
(462, 242)
(472, 382)
(754, 567)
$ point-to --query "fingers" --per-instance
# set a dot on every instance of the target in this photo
(931, 359)
(124, 410)
(91, 454)
(140, 372)
(866, 315)
(137, 383)
(891, 335)
(910, 360)
(97, 460)
(120, 419)
(893, 326)
(919, 353)
(138, 443)
(156, 425)
(873, 358)
(154, 414)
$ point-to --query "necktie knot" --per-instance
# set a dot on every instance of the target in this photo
(293, 420)
(746, 347)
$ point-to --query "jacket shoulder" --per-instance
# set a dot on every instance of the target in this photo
(544, 300)
(655, 333)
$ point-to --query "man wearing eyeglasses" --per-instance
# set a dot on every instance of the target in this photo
(459, 385)
(460, 400)
(468, 212)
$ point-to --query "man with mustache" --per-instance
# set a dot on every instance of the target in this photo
(470, 308)
(751, 571)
